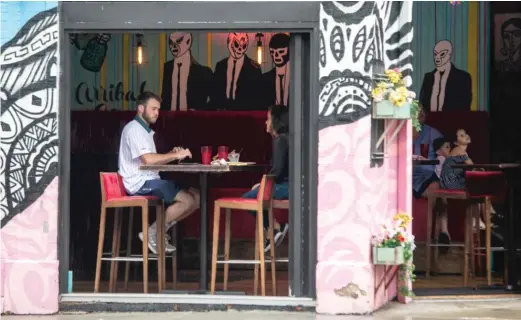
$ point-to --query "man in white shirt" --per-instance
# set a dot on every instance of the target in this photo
(137, 148)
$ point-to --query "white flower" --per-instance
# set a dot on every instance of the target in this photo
(378, 98)
(411, 95)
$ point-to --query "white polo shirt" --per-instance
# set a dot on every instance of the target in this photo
(137, 139)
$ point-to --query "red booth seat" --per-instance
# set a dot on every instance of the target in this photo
(477, 126)
(98, 133)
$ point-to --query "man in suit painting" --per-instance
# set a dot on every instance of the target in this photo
(276, 81)
(186, 83)
(237, 78)
(446, 88)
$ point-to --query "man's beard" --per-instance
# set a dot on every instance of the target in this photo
(149, 120)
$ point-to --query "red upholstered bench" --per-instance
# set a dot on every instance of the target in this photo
(98, 133)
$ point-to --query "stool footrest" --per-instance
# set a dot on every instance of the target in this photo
(238, 261)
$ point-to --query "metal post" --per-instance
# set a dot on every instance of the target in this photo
(295, 164)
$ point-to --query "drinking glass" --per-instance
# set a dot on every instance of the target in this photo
(222, 152)
(206, 155)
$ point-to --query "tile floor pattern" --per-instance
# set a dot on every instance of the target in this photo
(420, 310)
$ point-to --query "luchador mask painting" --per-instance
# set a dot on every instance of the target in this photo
(179, 43)
(442, 53)
(237, 44)
(279, 49)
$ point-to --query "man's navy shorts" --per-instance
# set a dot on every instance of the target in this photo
(166, 190)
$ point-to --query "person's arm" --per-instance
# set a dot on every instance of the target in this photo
(280, 154)
(157, 158)
(140, 148)
(468, 160)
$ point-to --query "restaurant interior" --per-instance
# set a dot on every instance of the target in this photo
(482, 102)
(109, 71)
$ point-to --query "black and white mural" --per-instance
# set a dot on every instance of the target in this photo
(353, 36)
(29, 100)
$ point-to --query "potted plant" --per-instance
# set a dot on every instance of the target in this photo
(392, 99)
(394, 245)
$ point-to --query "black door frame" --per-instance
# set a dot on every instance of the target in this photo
(299, 18)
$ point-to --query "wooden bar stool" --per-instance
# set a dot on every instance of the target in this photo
(263, 202)
(481, 187)
(113, 195)
(138, 258)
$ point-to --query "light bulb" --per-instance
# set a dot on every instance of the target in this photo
(259, 54)
(139, 54)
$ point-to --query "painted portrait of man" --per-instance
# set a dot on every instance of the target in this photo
(186, 83)
(446, 88)
(237, 80)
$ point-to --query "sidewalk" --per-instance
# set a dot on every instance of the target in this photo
(421, 310)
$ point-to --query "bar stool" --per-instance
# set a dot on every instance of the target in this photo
(490, 185)
(113, 195)
(263, 202)
(133, 258)
(481, 187)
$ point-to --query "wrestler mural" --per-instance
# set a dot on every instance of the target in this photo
(446, 88)
(277, 80)
(237, 78)
(186, 83)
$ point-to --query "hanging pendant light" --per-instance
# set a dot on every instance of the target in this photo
(139, 49)
(259, 37)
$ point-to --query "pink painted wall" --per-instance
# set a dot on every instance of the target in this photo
(29, 158)
(353, 198)
(29, 257)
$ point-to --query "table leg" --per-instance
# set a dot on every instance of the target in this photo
(511, 235)
(203, 237)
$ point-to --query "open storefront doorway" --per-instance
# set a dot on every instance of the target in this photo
(158, 18)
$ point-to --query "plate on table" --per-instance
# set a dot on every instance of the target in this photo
(240, 163)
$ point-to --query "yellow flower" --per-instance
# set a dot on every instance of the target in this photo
(394, 75)
(397, 98)
(405, 218)
(378, 94)
(382, 85)
(403, 91)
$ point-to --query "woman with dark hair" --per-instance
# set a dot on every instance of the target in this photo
(277, 125)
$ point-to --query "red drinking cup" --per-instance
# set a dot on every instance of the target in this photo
(206, 155)
(222, 152)
(425, 150)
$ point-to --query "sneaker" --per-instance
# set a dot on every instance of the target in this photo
(152, 245)
(278, 237)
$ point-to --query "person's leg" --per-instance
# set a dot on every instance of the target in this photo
(281, 192)
(252, 194)
(192, 204)
(177, 201)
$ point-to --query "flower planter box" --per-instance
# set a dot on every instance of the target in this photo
(388, 256)
(386, 110)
